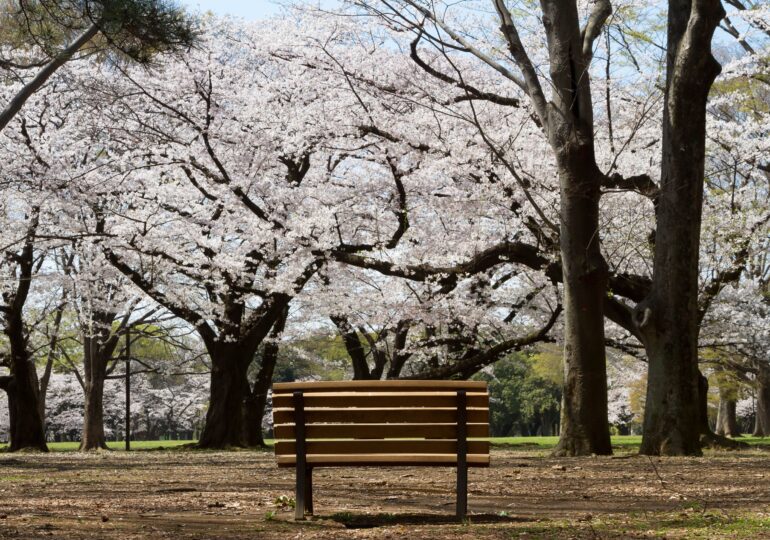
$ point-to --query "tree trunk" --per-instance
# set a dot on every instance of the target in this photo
(254, 404)
(706, 436)
(727, 418)
(703, 406)
(762, 419)
(584, 426)
(93, 437)
(668, 318)
(98, 348)
(354, 347)
(26, 422)
(224, 418)
(256, 400)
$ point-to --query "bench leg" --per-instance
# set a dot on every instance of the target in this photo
(462, 455)
(299, 493)
(309, 491)
(462, 492)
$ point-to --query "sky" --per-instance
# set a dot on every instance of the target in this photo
(248, 9)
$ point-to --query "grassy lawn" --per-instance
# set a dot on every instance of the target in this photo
(113, 445)
(627, 443)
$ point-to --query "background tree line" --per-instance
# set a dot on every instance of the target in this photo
(441, 190)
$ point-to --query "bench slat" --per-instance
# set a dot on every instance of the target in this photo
(382, 431)
(374, 460)
(381, 399)
(388, 446)
(378, 386)
(381, 416)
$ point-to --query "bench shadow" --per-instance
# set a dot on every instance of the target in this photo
(371, 521)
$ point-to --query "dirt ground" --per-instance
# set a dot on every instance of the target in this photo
(524, 494)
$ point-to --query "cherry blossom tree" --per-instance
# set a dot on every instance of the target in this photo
(226, 186)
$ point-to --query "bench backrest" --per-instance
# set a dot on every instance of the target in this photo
(381, 422)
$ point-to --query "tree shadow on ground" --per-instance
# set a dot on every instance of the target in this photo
(371, 521)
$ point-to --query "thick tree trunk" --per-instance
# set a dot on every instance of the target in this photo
(668, 318)
(93, 437)
(224, 418)
(672, 415)
(253, 415)
(584, 426)
(26, 422)
(704, 428)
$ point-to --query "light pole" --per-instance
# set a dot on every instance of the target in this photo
(128, 388)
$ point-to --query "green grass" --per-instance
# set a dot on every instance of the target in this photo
(119, 445)
(545, 443)
(620, 442)
(624, 442)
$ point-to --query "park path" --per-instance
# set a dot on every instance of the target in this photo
(190, 494)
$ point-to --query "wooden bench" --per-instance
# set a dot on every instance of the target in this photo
(380, 423)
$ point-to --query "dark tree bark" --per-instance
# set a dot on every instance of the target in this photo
(354, 348)
(224, 418)
(26, 423)
(585, 429)
(256, 398)
(27, 430)
(668, 317)
(96, 356)
(92, 437)
(393, 359)
(100, 340)
(399, 356)
(762, 418)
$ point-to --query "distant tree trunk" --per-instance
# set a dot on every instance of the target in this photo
(93, 437)
(53, 342)
(668, 318)
(354, 347)
(399, 356)
(100, 340)
(762, 418)
(727, 418)
(706, 437)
